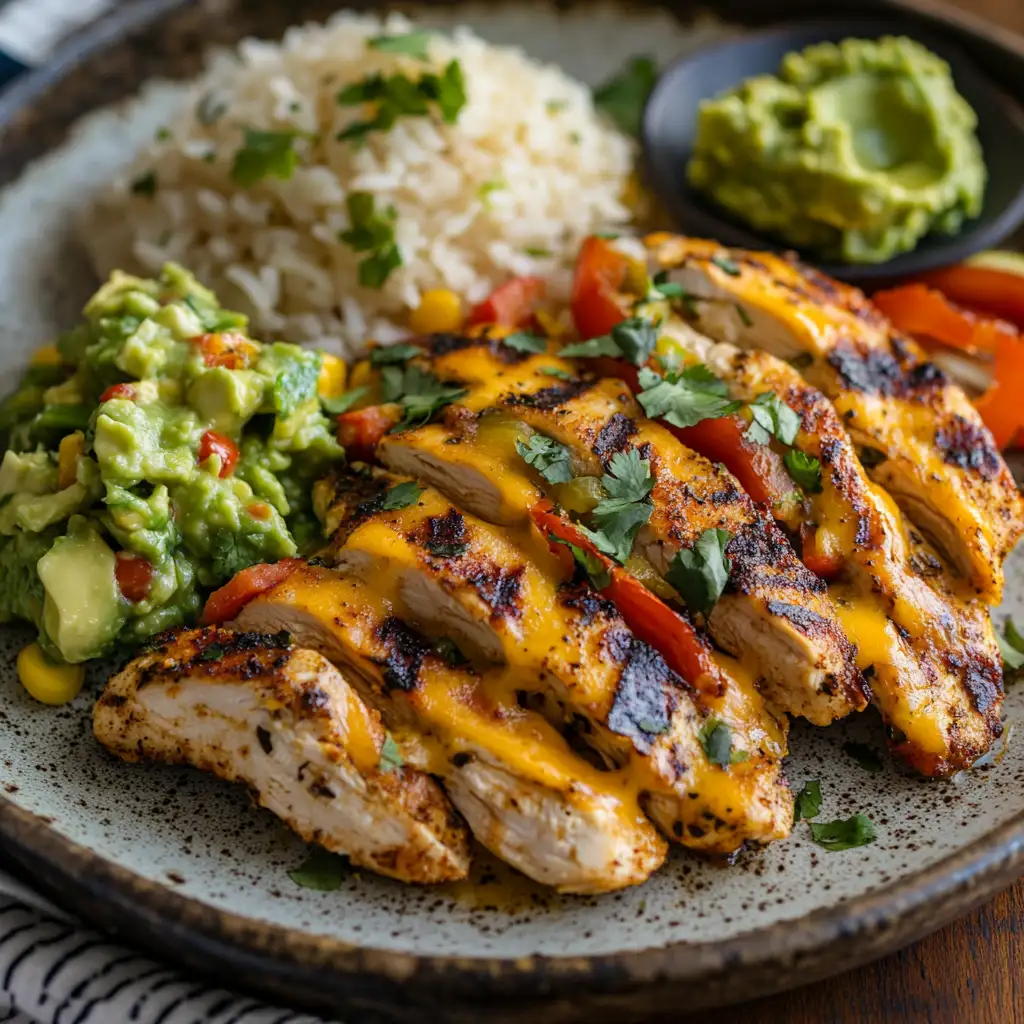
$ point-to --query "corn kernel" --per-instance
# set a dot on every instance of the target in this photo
(47, 356)
(362, 374)
(439, 312)
(333, 375)
(71, 446)
(47, 681)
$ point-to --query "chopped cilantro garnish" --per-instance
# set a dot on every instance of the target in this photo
(726, 265)
(772, 418)
(420, 393)
(623, 96)
(552, 460)
(413, 44)
(447, 549)
(592, 565)
(537, 252)
(398, 96)
(374, 233)
(1011, 646)
(556, 106)
(845, 834)
(524, 341)
(808, 801)
(684, 399)
(633, 339)
(619, 516)
(665, 288)
(555, 371)
(744, 316)
(401, 496)
(321, 870)
(144, 185)
(804, 469)
(390, 756)
(163, 133)
(213, 652)
(344, 402)
(391, 355)
(865, 755)
(265, 154)
(716, 740)
(699, 574)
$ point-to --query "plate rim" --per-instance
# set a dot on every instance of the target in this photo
(323, 974)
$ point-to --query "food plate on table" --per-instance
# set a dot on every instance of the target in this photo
(606, 611)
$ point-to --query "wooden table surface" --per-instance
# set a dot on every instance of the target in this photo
(971, 972)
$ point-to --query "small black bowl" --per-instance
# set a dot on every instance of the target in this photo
(670, 129)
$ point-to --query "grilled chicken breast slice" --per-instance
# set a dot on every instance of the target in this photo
(252, 708)
(931, 450)
(774, 611)
(924, 637)
(537, 804)
(502, 596)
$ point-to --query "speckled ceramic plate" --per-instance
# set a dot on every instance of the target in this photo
(186, 866)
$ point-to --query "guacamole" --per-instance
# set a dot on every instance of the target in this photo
(856, 150)
(153, 454)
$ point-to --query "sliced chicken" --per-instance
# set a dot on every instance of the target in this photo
(774, 611)
(528, 797)
(924, 638)
(928, 446)
(502, 597)
(252, 708)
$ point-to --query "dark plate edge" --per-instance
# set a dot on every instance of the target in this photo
(328, 976)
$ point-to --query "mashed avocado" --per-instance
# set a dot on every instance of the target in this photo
(855, 150)
(162, 452)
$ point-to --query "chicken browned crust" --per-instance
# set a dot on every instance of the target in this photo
(252, 708)
(927, 443)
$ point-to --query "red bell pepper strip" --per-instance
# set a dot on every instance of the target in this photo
(682, 647)
(930, 316)
(509, 305)
(998, 293)
(225, 604)
(1002, 406)
(599, 299)
(361, 430)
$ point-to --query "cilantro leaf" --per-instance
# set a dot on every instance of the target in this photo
(623, 96)
(865, 755)
(374, 233)
(620, 515)
(413, 44)
(555, 371)
(685, 399)
(524, 341)
(321, 870)
(726, 265)
(144, 185)
(700, 573)
(715, 738)
(389, 355)
(844, 834)
(665, 288)
(772, 418)
(401, 496)
(552, 460)
(592, 565)
(1011, 647)
(804, 469)
(390, 756)
(420, 393)
(808, 801)
(451, 92)
(265, 154)
(633, 339)
(212, 652)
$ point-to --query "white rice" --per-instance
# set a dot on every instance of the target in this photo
(529, 168)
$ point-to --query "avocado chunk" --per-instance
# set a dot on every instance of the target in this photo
(82, 610)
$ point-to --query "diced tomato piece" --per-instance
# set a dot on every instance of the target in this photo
(225, 604)
(361, 430)
(510, 304)
(998, 293)
(598, 299)
(259, 510)
(212, 443)
(126, 391)
(134, 576)
(930, 316)
(229, 349)
(817, 556)
(682, 647)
